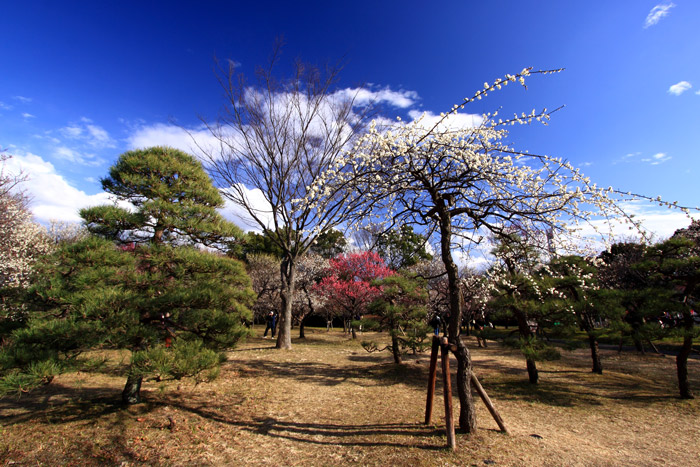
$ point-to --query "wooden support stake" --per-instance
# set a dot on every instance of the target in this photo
(431, 380)
(447, 386)
(489, 404)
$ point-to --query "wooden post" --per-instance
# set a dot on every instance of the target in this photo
(447, 386)
(489, 404)
(431, 380)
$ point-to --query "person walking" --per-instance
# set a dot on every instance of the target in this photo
(271, 321)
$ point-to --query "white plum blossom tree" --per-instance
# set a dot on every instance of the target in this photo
(462, 184)
(22, 241)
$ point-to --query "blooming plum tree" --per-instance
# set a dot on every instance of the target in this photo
(460, 184)
(348, 287)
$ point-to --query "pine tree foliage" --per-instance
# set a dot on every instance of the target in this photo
(161, 302)
(171, 199)
(175, 307)
(401, 309)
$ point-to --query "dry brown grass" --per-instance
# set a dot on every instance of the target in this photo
(328, 402)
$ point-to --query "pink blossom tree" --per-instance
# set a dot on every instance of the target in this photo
(348, 286)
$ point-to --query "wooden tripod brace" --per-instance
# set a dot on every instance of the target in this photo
(447, 385)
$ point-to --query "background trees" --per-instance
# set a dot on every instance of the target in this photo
(673, 267)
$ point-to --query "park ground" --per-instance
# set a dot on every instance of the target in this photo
(329, 402)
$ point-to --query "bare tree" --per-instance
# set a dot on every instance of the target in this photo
(275, 137)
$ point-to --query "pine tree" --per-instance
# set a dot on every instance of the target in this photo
(172, 199)
(172, 305)
(401, 309)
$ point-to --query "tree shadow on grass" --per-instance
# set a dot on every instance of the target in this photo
(63, 405)
(324, 374)
(327, 434)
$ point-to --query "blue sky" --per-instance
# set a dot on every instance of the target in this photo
(83, 82)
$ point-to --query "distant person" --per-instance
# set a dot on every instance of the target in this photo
(435, 323)
(271, 321)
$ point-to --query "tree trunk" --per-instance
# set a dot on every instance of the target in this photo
(525, 333)
(595, 354)
(132, 390)
(301, 328)
(682, 357)
(395, 349)
(284, 323)
(467, 414)
(532, 373)
(467, 410)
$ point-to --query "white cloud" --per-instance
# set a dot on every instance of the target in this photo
(364, 96)
(679, 88)
(161, 134)
(656, 13)
(52, 196)
(239, 216)
(28, 115)
(456, 121)
(4, 106)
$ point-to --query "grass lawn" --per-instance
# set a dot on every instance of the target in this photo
(328, 402)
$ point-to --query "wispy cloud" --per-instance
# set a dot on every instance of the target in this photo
(87, 132)
(636, 157)
(28, 115)
(71, 155)
(4, 106)
(22, 99)
(679, 88)
(657, 158)
(658, 12)
(233, 63)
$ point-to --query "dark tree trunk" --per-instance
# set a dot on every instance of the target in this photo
(395, 349)
(467, 410)
(595, 354)
(682, 357)
(132, 390)
(526, 334)
(301, 328)
(587, 324)
(532, 373)
(467, 416)
(284, 322)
